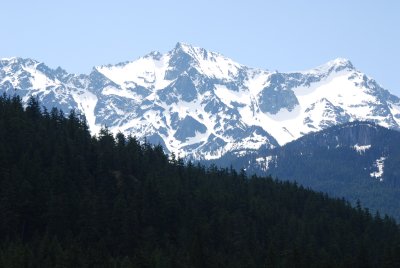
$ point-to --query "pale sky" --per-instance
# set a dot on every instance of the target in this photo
(273, 35)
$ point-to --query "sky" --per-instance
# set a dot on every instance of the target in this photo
(274, 35)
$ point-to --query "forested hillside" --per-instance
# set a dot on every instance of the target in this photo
(359, 161)
(68, 199)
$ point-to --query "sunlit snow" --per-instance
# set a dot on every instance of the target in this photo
(361, 148)
(379, 164)
(228, 97)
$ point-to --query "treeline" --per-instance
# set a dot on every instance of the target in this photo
(68, 199)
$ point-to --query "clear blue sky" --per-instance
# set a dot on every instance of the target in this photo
(274, 35)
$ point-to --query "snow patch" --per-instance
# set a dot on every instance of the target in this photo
(379, 164)
(145, 71)
(229, 96)
(395, 110)
(87, 102)
(110, 90)
(361, 148)
(38, 79)
(266, 162)
(257, 81)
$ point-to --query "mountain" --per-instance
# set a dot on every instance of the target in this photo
(357, 161)
(202, 105)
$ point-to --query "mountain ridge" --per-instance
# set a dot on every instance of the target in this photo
(231, 107)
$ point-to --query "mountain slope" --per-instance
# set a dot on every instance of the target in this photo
(358, 161)
(201, 105)
(68, 199)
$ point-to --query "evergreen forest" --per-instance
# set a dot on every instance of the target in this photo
(70, 199)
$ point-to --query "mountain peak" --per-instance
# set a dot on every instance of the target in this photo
(195, 52)
(337, 65)
(212, 64)
(183, 45)
(186, 48)
(9, 59)
(154, 55)
(14, 60)
(341, 62)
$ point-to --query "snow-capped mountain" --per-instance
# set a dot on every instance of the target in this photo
(201, 104)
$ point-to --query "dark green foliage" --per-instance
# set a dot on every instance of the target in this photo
(327, 161)
(71, 200)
